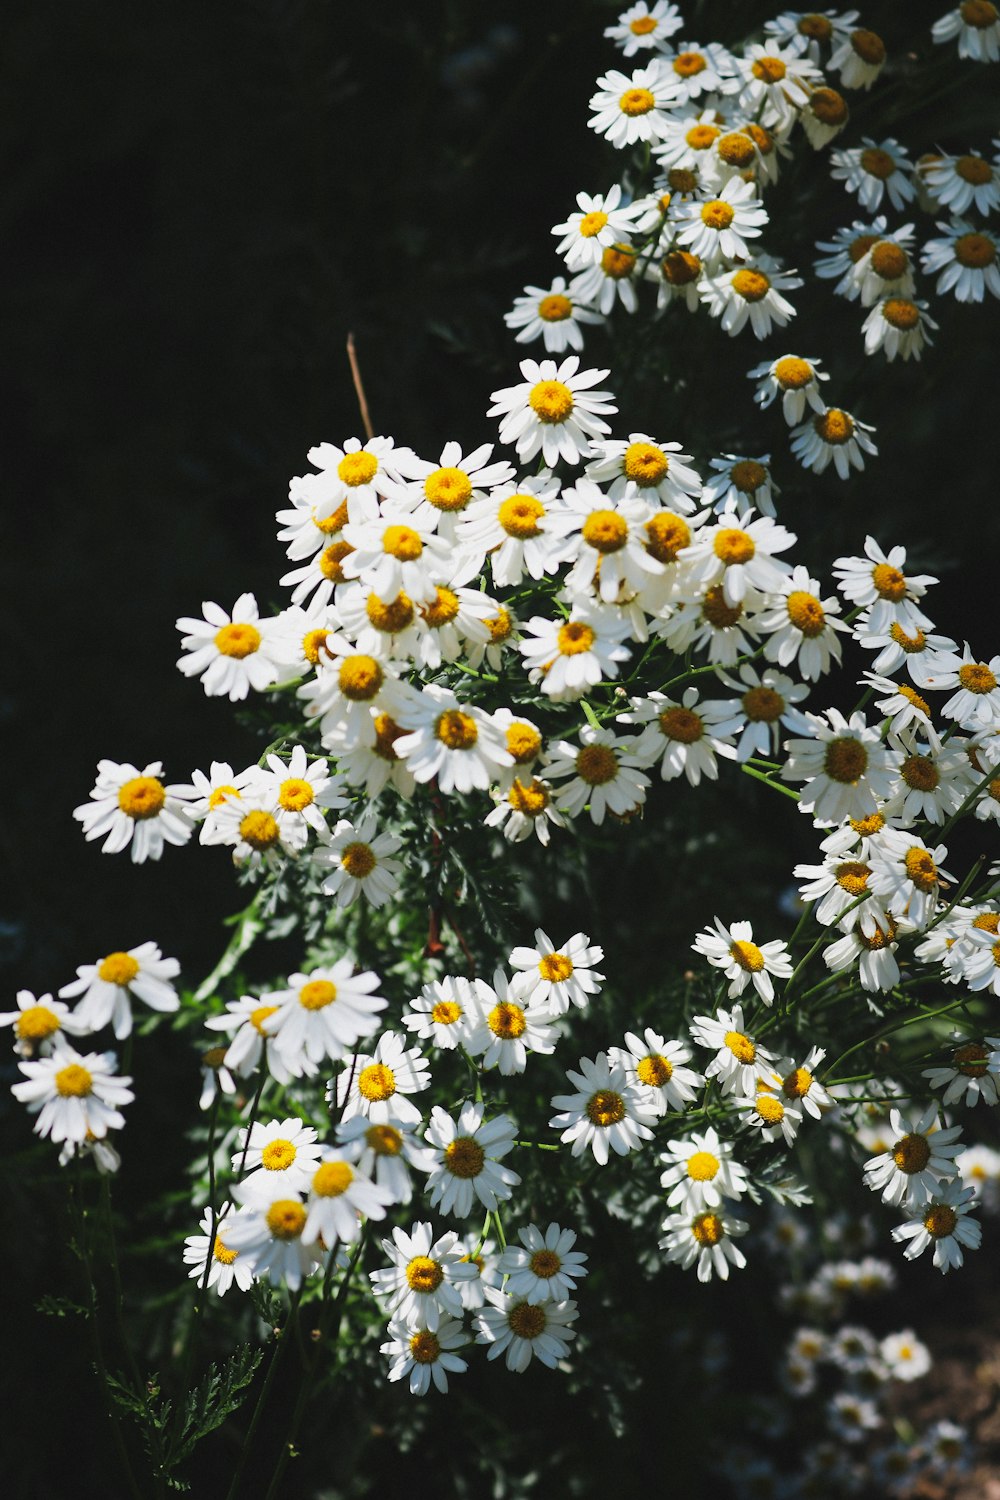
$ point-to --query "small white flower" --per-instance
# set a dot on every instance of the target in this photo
(224, 1265)
(906, 1357)
(422, 1357)
(835, 437)
(605, 1113)
(733, 950)
(420, 1286)
(523, 1330)
(359, 862)
(558, 977)
(705, 1238)
(230, 653)
(135, 807)
(921, 1154)
(107, 987)
(467, 1154)
(942, 1221)
(509, 1024)
(544, 1267)
(75, 1095)
(700, 1172)
(555, 412)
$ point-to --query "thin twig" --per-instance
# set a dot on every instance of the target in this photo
(352, 356)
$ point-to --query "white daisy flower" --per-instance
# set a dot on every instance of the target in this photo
(106, 988)
(269, 1234)
(965, 261)
(378, 1086)
(657, 1070)
(280, 1154)
(975, 703)
(38, 1023)
(898, 326)
(810, 31)
(886, 268)
(513, 525)
(308, 526)
(765, 705)
(385, 1152)
(704, 1238)
(455, 742)
(298, 790)
(833, 436)
(421, 1357)
(399, 553)
(244, 1019)
(899, 646)
(733, 950)
(836, 886)
(230, 653)
(224, 1265)
(206, 793)
(216, 1077)
(627, 109)
(452, 484)
(851, 1418)
(323, 1014)
(555, 412)
(610, 280)
(751, 293)
(605, 1113)
(678, 279)
(347, 686)
(544, 1267)
(878, 580)
(802, 627)
(525, 808)
(76, 1095)
(512, 1018)
(360, 863)
(700, 1172)
(134, 807)
(719, 228)
(844, 251)
(420, 1286)
(872, 946)
(860, 58)
(979, 1168)
(377, 766)
(605, 542)
(339, 1197)
(640, 469)
(921, 1154)
(741, 484)
(738, 552)
(976, 24)
(937, 777)
(823, 116)
(739, 1061)
(793, 378)
(443, 1013)
(942, 1221)
(770, 1113)
(568, 657)
(523, 1330)
(644, 28)
(959, 183)
(603, 772)
(381, 630)
(873, 170)
(685, 737)
(558, 977)
(258, 829)
(602, 219)
(846, 768)
(776, 82)
(972, 1076)
(467, 1154)
(908, 876)
(698, 69)
(356, 474)
(554, 314)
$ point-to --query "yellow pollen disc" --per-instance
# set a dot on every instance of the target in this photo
(384, 1140)
(456, 730)
(769, 69)
(995, 950)
(911, 1153)
(747, 955)
(551, 401)
(142, 797)
(972, 1059)
(682, 725)
(597, 765)
(879, 939)
(36, 1023)
(747, 476)
(636, 102)
(390, 618)
(531, 800)
(544, 1263)
(331, 1179)
(237, 640)
(707, 1229)
(286, 1219)
(451, 489)
(73, 1082)
(219, 795)
(329, 562)
(909, 643)
(425, 1347)
(869, 46)
(642, 25)
(668, 534)
(901, 313)
(877, 163)
(736, 149)
(358, 860)
(806, 613)
(423, 1274)
(940, 1221)
(762, 139)
(618, 262)
(975, 250)
(859, 248)
(717, 214)
(277, 1155)
(222, 1253)
(920, 772)
(733, 546)
(818, 28)
(526, 1321)
(444, 608)
(574, 638)
(260, 1015)
(259, 830)
(763, 705)
(701, 137)
(605, 531)
(402, 542)
(702, 1166)
(976, 677)
(523, 742)
(644, 464)
(680, 268)
(845, 760)
(750, 285)
(978, 13)
(853, 877)
(889, 260)
(993, 790)
(214, 1058)
(387, 732)
(797, 1084)
(681, 180)
(507, 1021)
(295, 794)
(921, 869)
(973, 169)
(464, 1157)
(118, 968)
(740, 1046)
(360, 678)
(500, 626)
(605, 1108)
(376, 1083)
(591, 224)
(905, 691)
(357, 468)
(687, 64)
(829, 107)
(317, 994)
(330, 525)
(987, 921)
(716, 611)
(834, 426)
(446, 1013)
(555, 967)
(554, 308)
(519, 516)
(654, 1070)
(770, 1109)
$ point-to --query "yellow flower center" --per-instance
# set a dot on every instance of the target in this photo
(940, 1221)
(702, 1166)
(736, 149)
(574, 638)
(555, 967)
(519, 515)
(402, 542)
(911, 1153)
(555, 308)
(36, 1023)
(526, 1321)
(636, 102)
(443, 610)
(446, 1013)
(874, 823)
(654, 1070)
(806, 613)
(544, 1263)
(499, 626)
(879, 939)
(733, 546)
(357, 468)
(747, 476)
(286, 1219)
(219, 795)
(317, 994)
(259, 1016)
(331, 1179)
(259, 829)
(769, 69)
(845, 760)
(975, 250)
(877, 163)
(747, 955)
(667, 534)
(972, 1059)
(596, 764)
(222, 1254)
(358, 860)
(456, 729)
(645, 464)
(141, 797)
(523, 742)
(976, 677)
(716, 611)
(423, 1274)
(797, 1084)
(750, 285)
(680, 268)
(859, 248)
(330, 525)
(390, 618)
(920, 772)
(295, 793)
(618, 262)
(769, 1108)
(707, 1229)
(330, 561)
(277, 1155)
(717, 214)
(687, 64)
(829, 107)
(642, 25)
(464, 1157)
(118, 968)
(605, 1107)
(869, 46)
(763, 705)
(387, 732)
(214, 1058)
(909, 643)
(384, 1140)
(425, 1347)
(901, 313)
(818, 28)
(921, 869)
(360, 678)
(376, 1083)
(73, 1082)
(853, 877)
(237, 640)
(763, 139)
(605, 531)
(449, 489)
(682, 725)
(740, 1046)
(507, 1021)
(889, 260)
(987, 921)
(551, 401)
(973, 169)
(531, 800)
(591, 224)
(681, 180)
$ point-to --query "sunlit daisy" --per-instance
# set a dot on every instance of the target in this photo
(325, 1013)
(657, 1070)
(75, 1095)
(942, 1221)
(421, 1283)
(523, 1330)
(210, 1250)
(359, 863)
(554, 412)
(733, 950)
(467, 1154)
(379, 1085)
(107, 987)
(605, 1113)
(873, 170)
(630, 108)
(421, 1357)
(704, 1239)
(133, 807)
(835, 437)
(230, 653)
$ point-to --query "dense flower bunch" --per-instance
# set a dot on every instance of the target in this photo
(524, 640)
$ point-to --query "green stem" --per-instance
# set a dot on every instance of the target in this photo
(280, 1344)
(786, 791)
